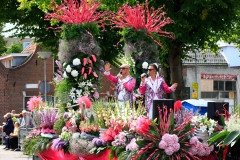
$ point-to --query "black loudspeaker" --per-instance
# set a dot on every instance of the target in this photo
(216, 106)
(160, 103)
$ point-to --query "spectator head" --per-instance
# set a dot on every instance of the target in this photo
(13, 112)
(16, 124)
(9, 115)
(24, 113)
(5, 117)
(20, 115)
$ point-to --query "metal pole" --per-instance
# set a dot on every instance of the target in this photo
(45, 81)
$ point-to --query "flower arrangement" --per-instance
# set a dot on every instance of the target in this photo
(202, 123)
(48, 118)
(35, 103)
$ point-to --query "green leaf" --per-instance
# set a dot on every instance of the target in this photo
(231, 137)
(140, 53)
(219, 137)
(223, 120)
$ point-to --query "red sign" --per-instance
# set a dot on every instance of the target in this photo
(219, 76)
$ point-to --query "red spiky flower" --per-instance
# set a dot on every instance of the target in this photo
(73, 12)
(140, 17)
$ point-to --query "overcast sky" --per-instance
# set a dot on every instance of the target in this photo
(7, 26)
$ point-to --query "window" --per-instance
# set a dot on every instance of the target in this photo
(224, 85)
(26, 44)
(209, 95)
(230, 85)
(224, 95)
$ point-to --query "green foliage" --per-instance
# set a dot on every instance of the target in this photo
(58, 125)
(233, 136)
(3, 42)
(62, 87)
(29, 23)
(218, 137)
(32, 146)
(74, 31)
(42, 4)
(16, 47)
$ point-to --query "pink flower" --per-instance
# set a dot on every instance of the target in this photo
(84, 100)
(193, 150)
(169, 151)
(176, 147)
(177, 105)
(142, 125)
(96, 95)
(132, 145)
(108, 135)
(175, 138)
(34, 103)
(166, 137)
(193, 139)
(133, 126)
(162, 144)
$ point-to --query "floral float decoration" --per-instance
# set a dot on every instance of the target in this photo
(79, 63)
(142, 28)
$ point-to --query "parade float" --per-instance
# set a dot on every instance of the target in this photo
(83, 126)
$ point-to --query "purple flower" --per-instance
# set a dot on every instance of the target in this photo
(58, 144)
(98, 142)
(101, 70)
(66, 115)
(102, 62)
(59, 65)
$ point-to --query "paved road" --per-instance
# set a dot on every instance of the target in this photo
(12, 155)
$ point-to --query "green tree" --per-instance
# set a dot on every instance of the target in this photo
(16, 47)
(3, 42)
(28, 17)
(29, 23)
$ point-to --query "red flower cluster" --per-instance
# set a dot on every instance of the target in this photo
(177, 105)
(140, 17)
(84, 100)
(71, 12)
(142, 125)
(108, 135)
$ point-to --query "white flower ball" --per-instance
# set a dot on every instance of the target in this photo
(74, 73)
(65, 75)
(76, 62)
(145, 65)
(68, 69)
(76, 135)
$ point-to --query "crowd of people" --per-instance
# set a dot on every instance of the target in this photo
(11, 125)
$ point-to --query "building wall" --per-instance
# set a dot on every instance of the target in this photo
(13, 81)
(206, 85)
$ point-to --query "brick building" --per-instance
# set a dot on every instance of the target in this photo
(18, 83)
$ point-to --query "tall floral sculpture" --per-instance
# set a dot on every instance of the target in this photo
(79, 65)
(141, 28)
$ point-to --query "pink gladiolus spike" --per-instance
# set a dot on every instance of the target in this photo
(89, 70)
(95, 74)
(90, 61)
(83, 69)
(85, 75)
(84, 61)
(94, 58)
